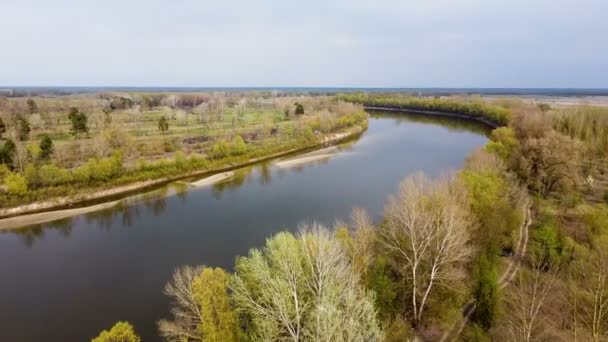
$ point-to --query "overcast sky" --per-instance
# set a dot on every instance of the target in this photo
(351, 43)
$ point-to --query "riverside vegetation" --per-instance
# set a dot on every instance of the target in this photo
(52, 147)
(443, 246)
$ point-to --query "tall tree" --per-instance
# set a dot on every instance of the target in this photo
(426, 237)
(303, 289)
(526, 303)
(79, 121)
(7, 153)
(201, 306)
(23, 128)
(46, 147)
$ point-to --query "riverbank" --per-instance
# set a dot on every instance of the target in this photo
(45, 211)
(488, 122)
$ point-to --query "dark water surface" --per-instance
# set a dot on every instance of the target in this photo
(68, 280)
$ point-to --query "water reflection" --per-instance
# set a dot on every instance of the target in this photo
(112, 264)
(130, 210)
(452, 124)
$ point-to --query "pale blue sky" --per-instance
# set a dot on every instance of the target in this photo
(352, 43)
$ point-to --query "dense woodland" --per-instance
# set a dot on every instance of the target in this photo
(510, 248)
(53, 146)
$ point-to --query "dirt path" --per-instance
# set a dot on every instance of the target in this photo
(507, 276)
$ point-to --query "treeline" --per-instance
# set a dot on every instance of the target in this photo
(493, 113)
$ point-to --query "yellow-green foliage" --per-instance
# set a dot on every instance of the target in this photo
(490, 203)
(238, 146)
(120, 332)
(221, 149)
(472, 108)
(15, 184)
(218, 322)
(503, 141)
(4, 171)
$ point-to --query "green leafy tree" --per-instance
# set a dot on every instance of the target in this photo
(163, 125)
(299, 108)
(486, 292)
(2, 127)
(46, 147)
(23, 128)
(15, 184)
(32, 107)
(7, 153)
(79, 121)
(120, 332)
(218, 320)
(202, 310)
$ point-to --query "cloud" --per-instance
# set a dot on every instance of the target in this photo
(415, 43)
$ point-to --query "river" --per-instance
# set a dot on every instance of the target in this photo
(68, 280)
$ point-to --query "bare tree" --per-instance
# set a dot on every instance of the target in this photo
(426, 235)
(592, 299)
(526, 303)
(187, 314)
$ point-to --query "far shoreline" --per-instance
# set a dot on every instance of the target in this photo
(85, 203)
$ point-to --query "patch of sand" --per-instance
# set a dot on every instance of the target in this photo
(302, 160)
(26, 220)
(213, 179)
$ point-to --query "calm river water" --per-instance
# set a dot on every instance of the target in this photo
(68, 280)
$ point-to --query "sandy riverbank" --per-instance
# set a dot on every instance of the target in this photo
(27, 220)
(303, 160)
(51, 210)
(213, 179)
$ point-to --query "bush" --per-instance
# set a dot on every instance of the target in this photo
(15, 184)
(4, 171)
(53, 175)
(238, 146)
(606, 197)
(220, 150)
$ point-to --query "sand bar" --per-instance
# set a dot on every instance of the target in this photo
(213, 179)
(20, 221)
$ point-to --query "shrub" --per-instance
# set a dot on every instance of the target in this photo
(4, 171)
(299, 108)
(52, 175)
(238, 146)
(15, 184)
(163, 124)
(220, 150)
(606, 197)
